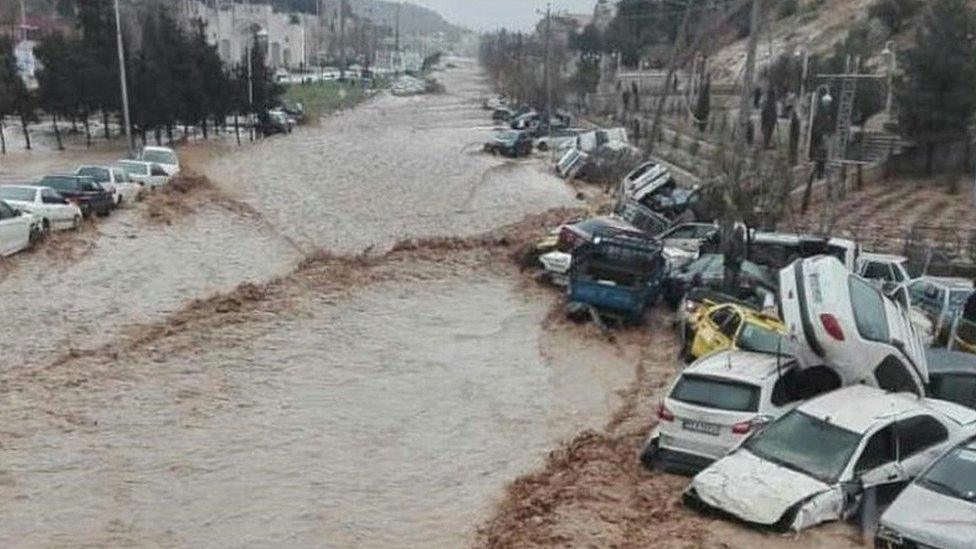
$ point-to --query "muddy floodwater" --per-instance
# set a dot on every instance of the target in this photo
(386, 415)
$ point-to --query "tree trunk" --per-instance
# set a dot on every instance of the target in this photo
(23, 124)
(87, 132)
(57, 132)
(929, 158)
(203, 126)
(108, 133)
(237, 129)
(74, 124)
(159, 136)
(808, 192)
(169, 133)
(3, 139)
(142, 134)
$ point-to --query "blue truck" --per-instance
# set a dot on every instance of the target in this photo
(618, 275)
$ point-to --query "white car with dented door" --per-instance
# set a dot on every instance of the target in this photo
(718, 401)
(55, 212)
(835, 318)
(814, 464)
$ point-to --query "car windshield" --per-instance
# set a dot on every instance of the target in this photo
(721, 394)
(134, 169)
(17, 193)
(61, 183)
(954, 475)
(958, 388)
(760, 339)
(869, 310)
(160, 157)
(100, 175)
(806, 444)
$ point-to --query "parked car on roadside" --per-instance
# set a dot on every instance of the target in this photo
(54, 211)
(731, 326)
(165, 157)
(557, 140)
(937, 509)
(151, 176)
(275, 122)
(709, 271)
(618, 275)
(952, 376)
(114, 180)
(814, 464)
(81, 191)
(836, 318)
(18, 229)
(938, 300)
(510, 143)
(715, 403)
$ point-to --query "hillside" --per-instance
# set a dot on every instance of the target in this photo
(414, 19)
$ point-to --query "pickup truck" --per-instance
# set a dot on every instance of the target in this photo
(619, 275)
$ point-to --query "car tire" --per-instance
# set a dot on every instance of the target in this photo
(648, 456)
(543, 147)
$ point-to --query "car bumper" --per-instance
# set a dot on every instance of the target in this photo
(672, 460)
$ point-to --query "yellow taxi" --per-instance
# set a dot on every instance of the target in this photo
(730, 326)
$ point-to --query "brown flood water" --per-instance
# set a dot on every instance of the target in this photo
(391, 416)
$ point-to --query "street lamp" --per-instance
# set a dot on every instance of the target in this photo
(891, 64)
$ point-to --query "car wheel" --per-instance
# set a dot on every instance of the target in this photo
(543, 147)
(648, 455)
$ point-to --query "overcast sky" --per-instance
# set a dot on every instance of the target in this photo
(491, 14)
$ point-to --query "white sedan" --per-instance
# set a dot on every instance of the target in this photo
(165, 157)
(149, 175)
(55, 212)
(17, 230)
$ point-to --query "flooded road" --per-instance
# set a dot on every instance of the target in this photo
(384, 414)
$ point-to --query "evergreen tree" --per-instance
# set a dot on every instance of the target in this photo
(15, 99)
(937, 100)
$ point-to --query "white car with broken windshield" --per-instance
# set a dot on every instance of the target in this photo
(715, 403)
(835, 318)
(939, 508)
(55, 212)
(814, 464)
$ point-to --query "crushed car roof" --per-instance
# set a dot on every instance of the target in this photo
(857, 408)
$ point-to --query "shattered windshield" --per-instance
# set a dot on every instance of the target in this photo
(954, 475)
(806, 444)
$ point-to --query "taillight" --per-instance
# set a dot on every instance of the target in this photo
(742, 428)
(664, 414)
(832, 327)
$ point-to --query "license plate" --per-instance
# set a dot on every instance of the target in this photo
(701, 427)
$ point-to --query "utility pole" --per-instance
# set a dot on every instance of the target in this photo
(548, 71)
(250, 90)
(342, 40)
(679, 43)
(745, 100)
(122, 79)
(396, 45)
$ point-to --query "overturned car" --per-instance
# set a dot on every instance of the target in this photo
(818, 462)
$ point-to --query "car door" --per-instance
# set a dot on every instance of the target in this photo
(54, 208)
(877, 465)
(14, 230)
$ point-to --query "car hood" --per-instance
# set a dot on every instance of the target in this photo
(753, 489)
(931, 518)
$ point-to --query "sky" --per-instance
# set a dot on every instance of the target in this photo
(492, 14)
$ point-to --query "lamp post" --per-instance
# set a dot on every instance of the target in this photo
(823, 93)
(122, 79)
(891, 60)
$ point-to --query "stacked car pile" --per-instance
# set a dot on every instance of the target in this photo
(814, 391)
(30, 211)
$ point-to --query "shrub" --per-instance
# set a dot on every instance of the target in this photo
(894, 13)
(788, 8)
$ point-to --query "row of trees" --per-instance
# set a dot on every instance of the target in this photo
(175, 78)
(516, 62)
